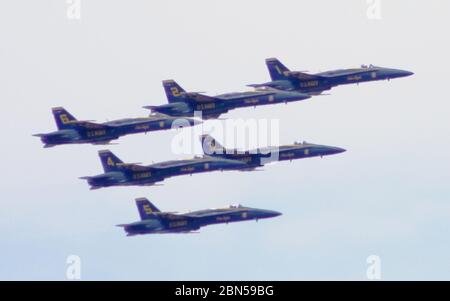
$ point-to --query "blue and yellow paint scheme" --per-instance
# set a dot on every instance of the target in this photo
(284, 79)
(73, 131)
(182, 103)
(259, 157)
(153, 221)
(117, 173)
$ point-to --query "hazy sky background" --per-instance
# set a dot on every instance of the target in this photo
(388, 195)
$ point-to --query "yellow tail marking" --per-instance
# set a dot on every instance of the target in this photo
(64, 119)
(147, 209)
(175, 91)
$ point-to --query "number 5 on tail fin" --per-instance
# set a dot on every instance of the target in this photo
(146, 209)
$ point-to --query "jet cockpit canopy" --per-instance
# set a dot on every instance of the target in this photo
(300, 143)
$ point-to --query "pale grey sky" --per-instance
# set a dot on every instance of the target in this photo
(388, 195)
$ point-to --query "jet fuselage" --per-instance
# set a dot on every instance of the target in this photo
(260, 157)
(72, 131)
(122, 174)
(284, 79)
(183, 103)
(192, 221)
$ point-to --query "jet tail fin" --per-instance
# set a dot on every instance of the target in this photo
(210, 145)
(174, 92)
(276, 69)
(256, 85)
(146, 209)
(62, 118)
(110, 161)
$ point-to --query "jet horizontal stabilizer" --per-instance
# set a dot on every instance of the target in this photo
(256, 85)
(152, 108)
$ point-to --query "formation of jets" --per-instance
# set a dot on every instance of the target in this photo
(182, 110)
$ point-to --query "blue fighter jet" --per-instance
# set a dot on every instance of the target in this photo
(259, 157)
(117, 173)
(313, 84)
(73, 131)
(154, 221)
(182, 103)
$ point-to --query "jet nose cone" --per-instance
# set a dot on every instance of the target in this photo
(276, 213)
(396, 73)
(405, 73)
(338, 150)
(270, 213)
(335, 150)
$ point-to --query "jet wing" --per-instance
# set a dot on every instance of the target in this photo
(135, 166)
(104, 143)
(89, 124)
(207, 212)
(226, 97)
(303, 76)
(214, 116)
(158, 115)
(346, 72)
(156, 166)
(179, 162)
(251, 169)
(200, 97)
(169, 215)
(190, 162)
